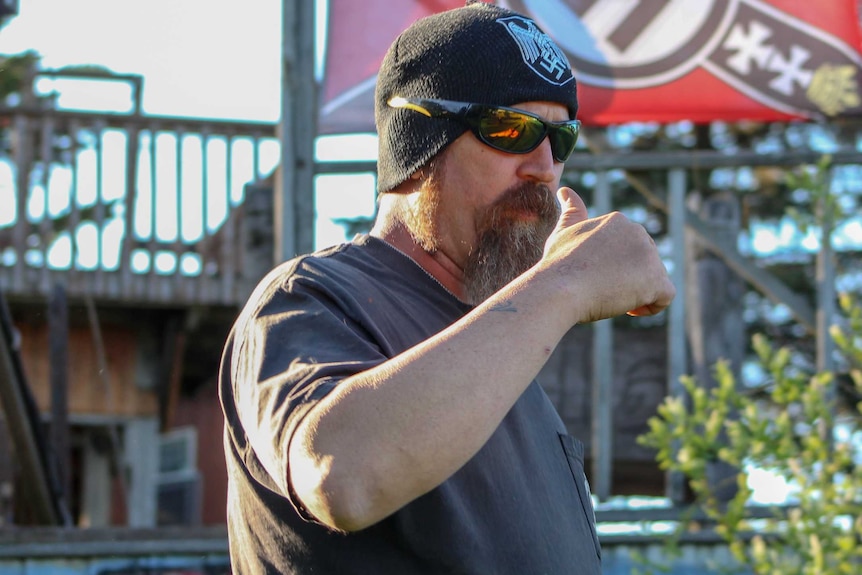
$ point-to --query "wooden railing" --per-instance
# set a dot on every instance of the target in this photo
(129, 207)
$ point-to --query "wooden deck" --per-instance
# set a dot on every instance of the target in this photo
(131, 208)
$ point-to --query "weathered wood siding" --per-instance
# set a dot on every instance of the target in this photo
(87, 394)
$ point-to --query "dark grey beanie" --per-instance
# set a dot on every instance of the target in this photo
(479, 53)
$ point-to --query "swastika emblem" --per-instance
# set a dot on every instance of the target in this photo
(759, 50)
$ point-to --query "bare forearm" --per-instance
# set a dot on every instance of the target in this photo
(388, 435)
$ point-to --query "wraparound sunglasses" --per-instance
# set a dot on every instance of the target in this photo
(505, 129)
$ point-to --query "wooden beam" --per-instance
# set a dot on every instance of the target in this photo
(826, 304)
(173, 357)
(602, 379)
(294, 180)
(58, 359)
(716, 330)
(117, 456)
(22, 420)
(145, 122)
(701, 159)
(826, 291)
(768, 284)
(677, 349)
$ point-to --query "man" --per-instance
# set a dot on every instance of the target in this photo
(381, 409)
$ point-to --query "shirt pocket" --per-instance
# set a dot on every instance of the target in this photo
(574, 451)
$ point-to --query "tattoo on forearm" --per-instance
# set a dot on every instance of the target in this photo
(504, 306)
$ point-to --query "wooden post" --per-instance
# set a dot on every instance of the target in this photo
(142, 451)
(294, 180)
(58, 356)
(7, 473)
(602, 452)
(714, 301)
(677, 354)
(95, 505)
(826, 296)
(104, 376)
(825, 276)
(28, 439)
(171, 368)
(825, 301)
(714, 295)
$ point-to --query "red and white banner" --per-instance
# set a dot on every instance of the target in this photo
(640, 60)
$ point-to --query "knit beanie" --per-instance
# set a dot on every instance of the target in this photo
(479, 53)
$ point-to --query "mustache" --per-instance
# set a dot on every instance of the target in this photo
(526, 197)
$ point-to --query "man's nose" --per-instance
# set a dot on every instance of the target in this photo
(539, 165)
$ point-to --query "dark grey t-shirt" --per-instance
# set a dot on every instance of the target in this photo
(521, 505)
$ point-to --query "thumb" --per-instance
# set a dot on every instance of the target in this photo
(574, 210)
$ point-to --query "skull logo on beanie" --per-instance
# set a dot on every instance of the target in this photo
(479, 53)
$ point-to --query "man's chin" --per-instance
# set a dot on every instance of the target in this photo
(502, 256)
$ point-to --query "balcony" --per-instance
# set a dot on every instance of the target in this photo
(132, 208)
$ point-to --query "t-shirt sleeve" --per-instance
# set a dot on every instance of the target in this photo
(289, 353)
